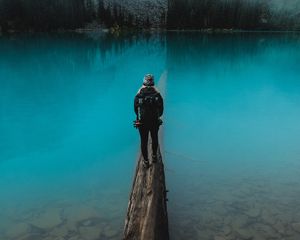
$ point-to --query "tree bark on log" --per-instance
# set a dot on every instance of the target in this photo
(147, 217)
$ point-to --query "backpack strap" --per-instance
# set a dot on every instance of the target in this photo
(144, 88)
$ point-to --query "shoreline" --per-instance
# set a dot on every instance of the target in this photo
(118, 31)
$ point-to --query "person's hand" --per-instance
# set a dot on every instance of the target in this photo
(137, 123)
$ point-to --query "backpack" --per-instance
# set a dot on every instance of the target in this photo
(148, 107)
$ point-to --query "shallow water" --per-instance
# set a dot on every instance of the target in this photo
(231, 133)
(67, 145)
(233, 161)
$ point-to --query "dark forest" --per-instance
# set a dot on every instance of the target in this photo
(49, 15)
(230, 14)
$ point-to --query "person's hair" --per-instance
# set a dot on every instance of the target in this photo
(148, 80)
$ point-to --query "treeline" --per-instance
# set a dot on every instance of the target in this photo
(47, 15)
(229, 14)
(115, 15)
(42, 15)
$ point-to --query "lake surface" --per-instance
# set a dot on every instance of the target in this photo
(230, 138)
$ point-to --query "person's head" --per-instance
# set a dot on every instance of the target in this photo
(148, 80)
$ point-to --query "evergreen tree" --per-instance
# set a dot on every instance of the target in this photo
(46, 15)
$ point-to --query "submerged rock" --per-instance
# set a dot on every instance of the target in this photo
(60, 231)
(80, 213)
(74, 238)
(110, 232)
(245, 233)
(239, 222)
(49, 219)
(268, 217)
(219, 238)
(296, 227)
(279, 227)
(17, 230)
(31, 237)
(266, 231)
(90, 233)
(54, 238)
(253, 212)
(226, 230)
(89, 222)
(80, 216)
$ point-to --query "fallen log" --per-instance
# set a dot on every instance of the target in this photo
(147, 217)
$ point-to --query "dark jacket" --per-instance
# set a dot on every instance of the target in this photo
(149, 117)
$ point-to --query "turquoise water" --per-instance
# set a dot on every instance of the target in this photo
(232, 136)
(68, 149)
(68, 146)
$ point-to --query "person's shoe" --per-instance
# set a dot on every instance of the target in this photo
(145, 163)
(154, 158)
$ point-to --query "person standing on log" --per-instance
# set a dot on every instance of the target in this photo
(148, 107)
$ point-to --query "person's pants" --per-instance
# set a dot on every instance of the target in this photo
(144, 133)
